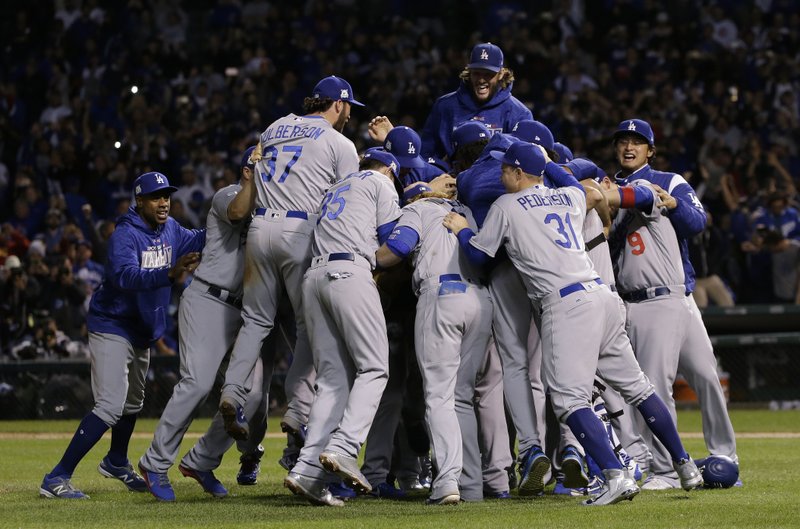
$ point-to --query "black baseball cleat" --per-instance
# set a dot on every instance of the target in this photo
(235, 422)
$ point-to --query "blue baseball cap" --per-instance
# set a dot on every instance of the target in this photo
(486, 56)
(469, 132)
(383, 156)
(582, 169)
(638, 127)
(336, 88)
(416, 189)
(246, 162)
(533, 131)
(524, 155)
(404, 143)
(564, 153)
(152, 182)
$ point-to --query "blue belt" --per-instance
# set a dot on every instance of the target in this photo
(642, 294)
(289, 214)
(341, 256)
(574, 287)
(221, 294)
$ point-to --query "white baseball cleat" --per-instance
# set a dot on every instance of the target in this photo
(618, 487)
(688, 473)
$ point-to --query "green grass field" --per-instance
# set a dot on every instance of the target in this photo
(769, 453)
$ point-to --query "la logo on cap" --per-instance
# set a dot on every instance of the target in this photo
(159, 179)
(484, 55)
(631, 126)
(411, 149)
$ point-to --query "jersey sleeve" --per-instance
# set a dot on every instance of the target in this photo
(346, 162)
(689, 217)
(188, 240)
(219, 204)
(388, 208)
(493, 233)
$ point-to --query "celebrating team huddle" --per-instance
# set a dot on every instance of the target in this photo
(540, 283)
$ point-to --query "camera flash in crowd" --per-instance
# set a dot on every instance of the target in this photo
(134, 89)
(117, 145)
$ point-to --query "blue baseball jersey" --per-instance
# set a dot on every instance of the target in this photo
(425, 173)
(688, 218)
(499, 114)
(133, 298)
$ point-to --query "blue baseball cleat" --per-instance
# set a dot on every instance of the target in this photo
(234, 419)
(572, 464)
(206, 479)
(158, 484)
(338, 489)
(60, 487)
(387, 490)
(534, 468)
(125, 474)
(497, 495)
(250, 465)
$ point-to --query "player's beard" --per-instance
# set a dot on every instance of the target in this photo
(341, 121)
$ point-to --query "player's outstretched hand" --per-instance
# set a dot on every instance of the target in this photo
(455, 222)
(379, 127)
(665, 199)
(186, 263)
(444, 183)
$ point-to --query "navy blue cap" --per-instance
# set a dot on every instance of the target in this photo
(383, 156)
(246, 162)
(416, 189)
(582, 169)
(405, 144)
(336, 88)
(564, 153)
(151, 182)
(469, 132)
(524, 155)
(636, 126)
(533, 131)
(486, 56)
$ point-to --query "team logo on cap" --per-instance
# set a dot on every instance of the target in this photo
(484, 55)
(393, 167)
(411, 149)
(388, 145)
(515, 127)
(631, 125)
(344, 94)
(537, 138)
(138, 190)
(517, 162)
(159, 179)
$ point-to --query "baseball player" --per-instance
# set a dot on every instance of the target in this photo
(515, 334)
(346, 326)
(655, 279)
(452, 330)
(405, 144)
(147, 252)
(209, 316)
(484, 95)
(561, 283)
(302, 157)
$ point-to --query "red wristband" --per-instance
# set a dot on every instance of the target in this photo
(627, 197)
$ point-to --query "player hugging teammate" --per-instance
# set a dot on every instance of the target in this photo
(516, 297)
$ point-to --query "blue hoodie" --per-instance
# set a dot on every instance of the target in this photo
(499, 114)
(133, 298)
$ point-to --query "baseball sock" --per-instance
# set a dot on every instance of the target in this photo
(120, 437)
(89, 431)
(589, 431)
(658, 419)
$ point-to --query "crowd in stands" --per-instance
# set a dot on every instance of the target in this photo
(92, 94)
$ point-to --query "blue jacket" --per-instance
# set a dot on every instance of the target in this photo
(499, 114)
(133, 298)
(480, 185)
(688, 218)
